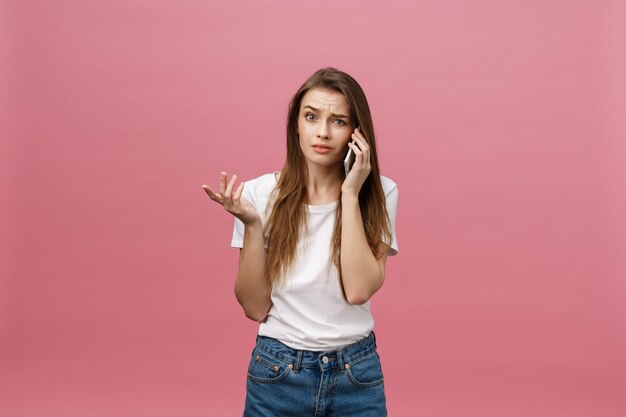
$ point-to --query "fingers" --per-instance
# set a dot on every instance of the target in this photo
(359, 152)
(228, 194)
(238, 192)
(212, 195)
(362, 158)
(354, 147)
(360, 140)
(222, 183)
(363, 148)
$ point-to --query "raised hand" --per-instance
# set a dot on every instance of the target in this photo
(361, 169)
(232, 201)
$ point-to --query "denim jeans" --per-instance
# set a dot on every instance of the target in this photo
(283, 381)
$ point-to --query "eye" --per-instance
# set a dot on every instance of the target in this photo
(341, 122)
(306, 116)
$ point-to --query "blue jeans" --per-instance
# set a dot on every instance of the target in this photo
(283, 381)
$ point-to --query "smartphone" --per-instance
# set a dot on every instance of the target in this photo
(348, 161)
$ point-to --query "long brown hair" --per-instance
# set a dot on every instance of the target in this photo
(288, 210)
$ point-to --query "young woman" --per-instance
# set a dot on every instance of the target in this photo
(313, 245)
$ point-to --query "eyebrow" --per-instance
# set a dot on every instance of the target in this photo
(335, 115)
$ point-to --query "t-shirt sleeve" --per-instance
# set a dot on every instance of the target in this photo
(391, 200)
(238, 229)
(238, 226)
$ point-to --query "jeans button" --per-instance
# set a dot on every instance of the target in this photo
(325, 359)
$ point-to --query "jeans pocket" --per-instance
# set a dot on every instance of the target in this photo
(366, 371)
(267, 369)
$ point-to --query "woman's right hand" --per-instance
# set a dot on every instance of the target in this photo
(232, 201)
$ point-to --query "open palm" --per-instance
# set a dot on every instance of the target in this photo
(232, 200)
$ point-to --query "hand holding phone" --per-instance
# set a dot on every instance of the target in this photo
(348, 161)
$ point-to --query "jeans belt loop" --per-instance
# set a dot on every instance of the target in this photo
(340, 364)
(296, 367)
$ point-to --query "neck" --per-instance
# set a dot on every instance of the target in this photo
(324, 183)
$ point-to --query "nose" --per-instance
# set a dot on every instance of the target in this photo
(322, 131)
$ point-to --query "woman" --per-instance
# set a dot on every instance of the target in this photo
(313, 246)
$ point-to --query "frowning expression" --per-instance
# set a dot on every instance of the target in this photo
(324, 126)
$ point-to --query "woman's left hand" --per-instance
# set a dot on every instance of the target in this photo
(361, 167)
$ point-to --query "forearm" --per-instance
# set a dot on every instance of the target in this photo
(251, 290)
(361, 275)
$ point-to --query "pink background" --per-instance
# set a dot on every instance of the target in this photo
(502, 123)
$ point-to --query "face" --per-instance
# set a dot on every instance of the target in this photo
(324, 126)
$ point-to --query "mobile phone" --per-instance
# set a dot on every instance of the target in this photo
(348, 161)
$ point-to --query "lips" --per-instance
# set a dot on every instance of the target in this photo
(322, 146)
(321, 149)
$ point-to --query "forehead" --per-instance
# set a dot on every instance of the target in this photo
(327, 100)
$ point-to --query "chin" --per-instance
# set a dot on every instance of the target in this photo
(326, 164)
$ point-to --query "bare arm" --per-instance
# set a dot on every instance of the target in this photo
(362, 274)
(252, 292)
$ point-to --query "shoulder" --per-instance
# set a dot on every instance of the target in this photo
(261, 182)
(389, 186)
(259, 188)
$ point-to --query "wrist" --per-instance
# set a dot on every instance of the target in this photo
(349, 198)
(255, 224)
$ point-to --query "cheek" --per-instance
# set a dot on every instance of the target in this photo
(302, 145)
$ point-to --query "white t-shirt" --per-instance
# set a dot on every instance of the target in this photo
(309, 311)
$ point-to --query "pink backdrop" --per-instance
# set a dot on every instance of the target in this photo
(501, 121)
